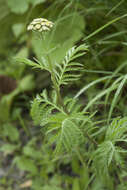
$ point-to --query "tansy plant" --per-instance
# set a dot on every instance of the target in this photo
(64, 120)
(62, 115)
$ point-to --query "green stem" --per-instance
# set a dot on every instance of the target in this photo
(60, 102)
(92, 140)
(80, 158)
(53, 78)
(26, 129)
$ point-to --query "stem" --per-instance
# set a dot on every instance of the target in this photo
(80, 158)
(92, 140)
(26, 129)
(60, 102)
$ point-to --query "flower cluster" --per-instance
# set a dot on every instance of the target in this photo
(40, 25)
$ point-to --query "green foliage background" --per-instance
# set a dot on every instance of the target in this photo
(42, 147)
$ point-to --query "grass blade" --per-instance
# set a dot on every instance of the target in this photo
(116, 96)
(99, 96)
(104, 26)
(91, 84)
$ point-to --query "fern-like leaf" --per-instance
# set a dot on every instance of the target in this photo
(116, 131)
(108, 150)
(69, 70)
(36, 112)
(35, 64)
(50, 102)
(40, 112)
(70, 136)
(102, 157)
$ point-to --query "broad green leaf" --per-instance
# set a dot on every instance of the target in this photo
(8, 148)
(11, 132)
(25, 164)
(17, 29)
(31, 152)
(27, 83)
(18, 6)
(36, 2)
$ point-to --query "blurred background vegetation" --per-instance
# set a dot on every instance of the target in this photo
(25, 160)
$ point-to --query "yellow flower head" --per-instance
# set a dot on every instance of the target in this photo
(40, 25)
